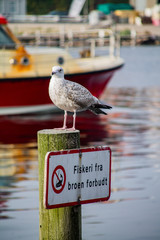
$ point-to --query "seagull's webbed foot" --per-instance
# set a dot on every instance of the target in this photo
(63, 128)
(71, 129)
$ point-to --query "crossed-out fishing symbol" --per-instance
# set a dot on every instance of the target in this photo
(58, 179)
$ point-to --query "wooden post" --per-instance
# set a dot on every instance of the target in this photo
(59, 223)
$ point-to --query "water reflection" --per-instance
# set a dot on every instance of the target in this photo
(23, 129)
(18, 163)
(132, 130)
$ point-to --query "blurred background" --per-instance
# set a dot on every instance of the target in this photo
(113, 49)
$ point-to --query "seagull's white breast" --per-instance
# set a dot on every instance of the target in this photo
(69, 95)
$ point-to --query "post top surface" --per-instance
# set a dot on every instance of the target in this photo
(57, 131)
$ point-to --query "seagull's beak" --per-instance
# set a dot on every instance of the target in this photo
(53, 73)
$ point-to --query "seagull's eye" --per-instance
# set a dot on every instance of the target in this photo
(60, 70)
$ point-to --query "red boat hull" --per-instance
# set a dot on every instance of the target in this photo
(34, 91)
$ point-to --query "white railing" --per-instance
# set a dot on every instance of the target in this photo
(45, 19)
(92, 38)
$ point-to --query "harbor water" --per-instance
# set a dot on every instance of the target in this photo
(132, 131)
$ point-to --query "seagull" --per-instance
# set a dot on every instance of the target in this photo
(72, 97)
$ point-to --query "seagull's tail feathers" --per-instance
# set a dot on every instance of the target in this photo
(96, 108)
(99, 105)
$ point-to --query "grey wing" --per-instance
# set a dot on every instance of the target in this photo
(80, 95)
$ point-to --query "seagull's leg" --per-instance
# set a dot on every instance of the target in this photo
(74, 122)
(64, 122)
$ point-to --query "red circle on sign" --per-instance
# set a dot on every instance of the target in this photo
(58, 179)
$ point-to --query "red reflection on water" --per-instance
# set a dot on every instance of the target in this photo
(24, 128)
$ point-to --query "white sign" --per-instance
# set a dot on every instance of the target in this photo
(77, 176)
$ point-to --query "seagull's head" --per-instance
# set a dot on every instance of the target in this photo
(58, 71)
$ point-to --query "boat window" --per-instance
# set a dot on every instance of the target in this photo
(5, 40)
